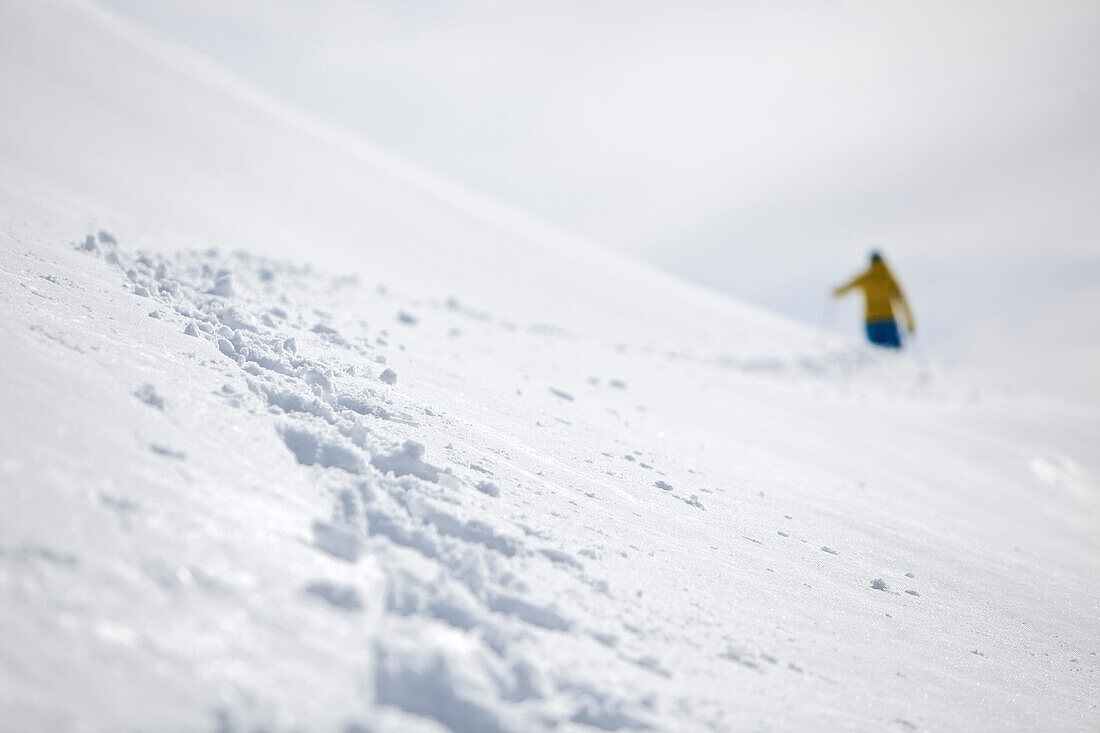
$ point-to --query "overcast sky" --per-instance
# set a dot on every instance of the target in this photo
(761, 148)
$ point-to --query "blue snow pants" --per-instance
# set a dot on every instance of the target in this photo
(884, 333)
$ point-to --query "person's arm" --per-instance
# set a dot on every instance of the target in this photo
(903, 306)
(855, 282)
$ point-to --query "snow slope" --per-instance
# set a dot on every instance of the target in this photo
(328, 443)
(132, 130)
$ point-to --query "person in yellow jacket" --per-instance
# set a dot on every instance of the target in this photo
(882, 296)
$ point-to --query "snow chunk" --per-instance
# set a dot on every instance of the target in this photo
(319, 381)
(606, 713)
(312, 447)
(89, 245)
(405, 461)
(562, 558)
(449, 678)
(343, 597)
(879, 584)
(359, 403)
(389, 376)
(337, 540)
(163, 450)
(223, 286)
(443, 599)
(235, 319)
(488, 487)
(694, 501)
(147, 393)
(537, 615)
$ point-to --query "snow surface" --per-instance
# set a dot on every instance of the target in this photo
(304, 439)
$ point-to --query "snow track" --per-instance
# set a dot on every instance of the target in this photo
(446, 569)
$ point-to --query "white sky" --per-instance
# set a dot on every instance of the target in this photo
(762, 148)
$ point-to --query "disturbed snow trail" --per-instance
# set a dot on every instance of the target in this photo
(447, 567)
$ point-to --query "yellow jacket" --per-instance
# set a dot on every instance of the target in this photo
(882, 294)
